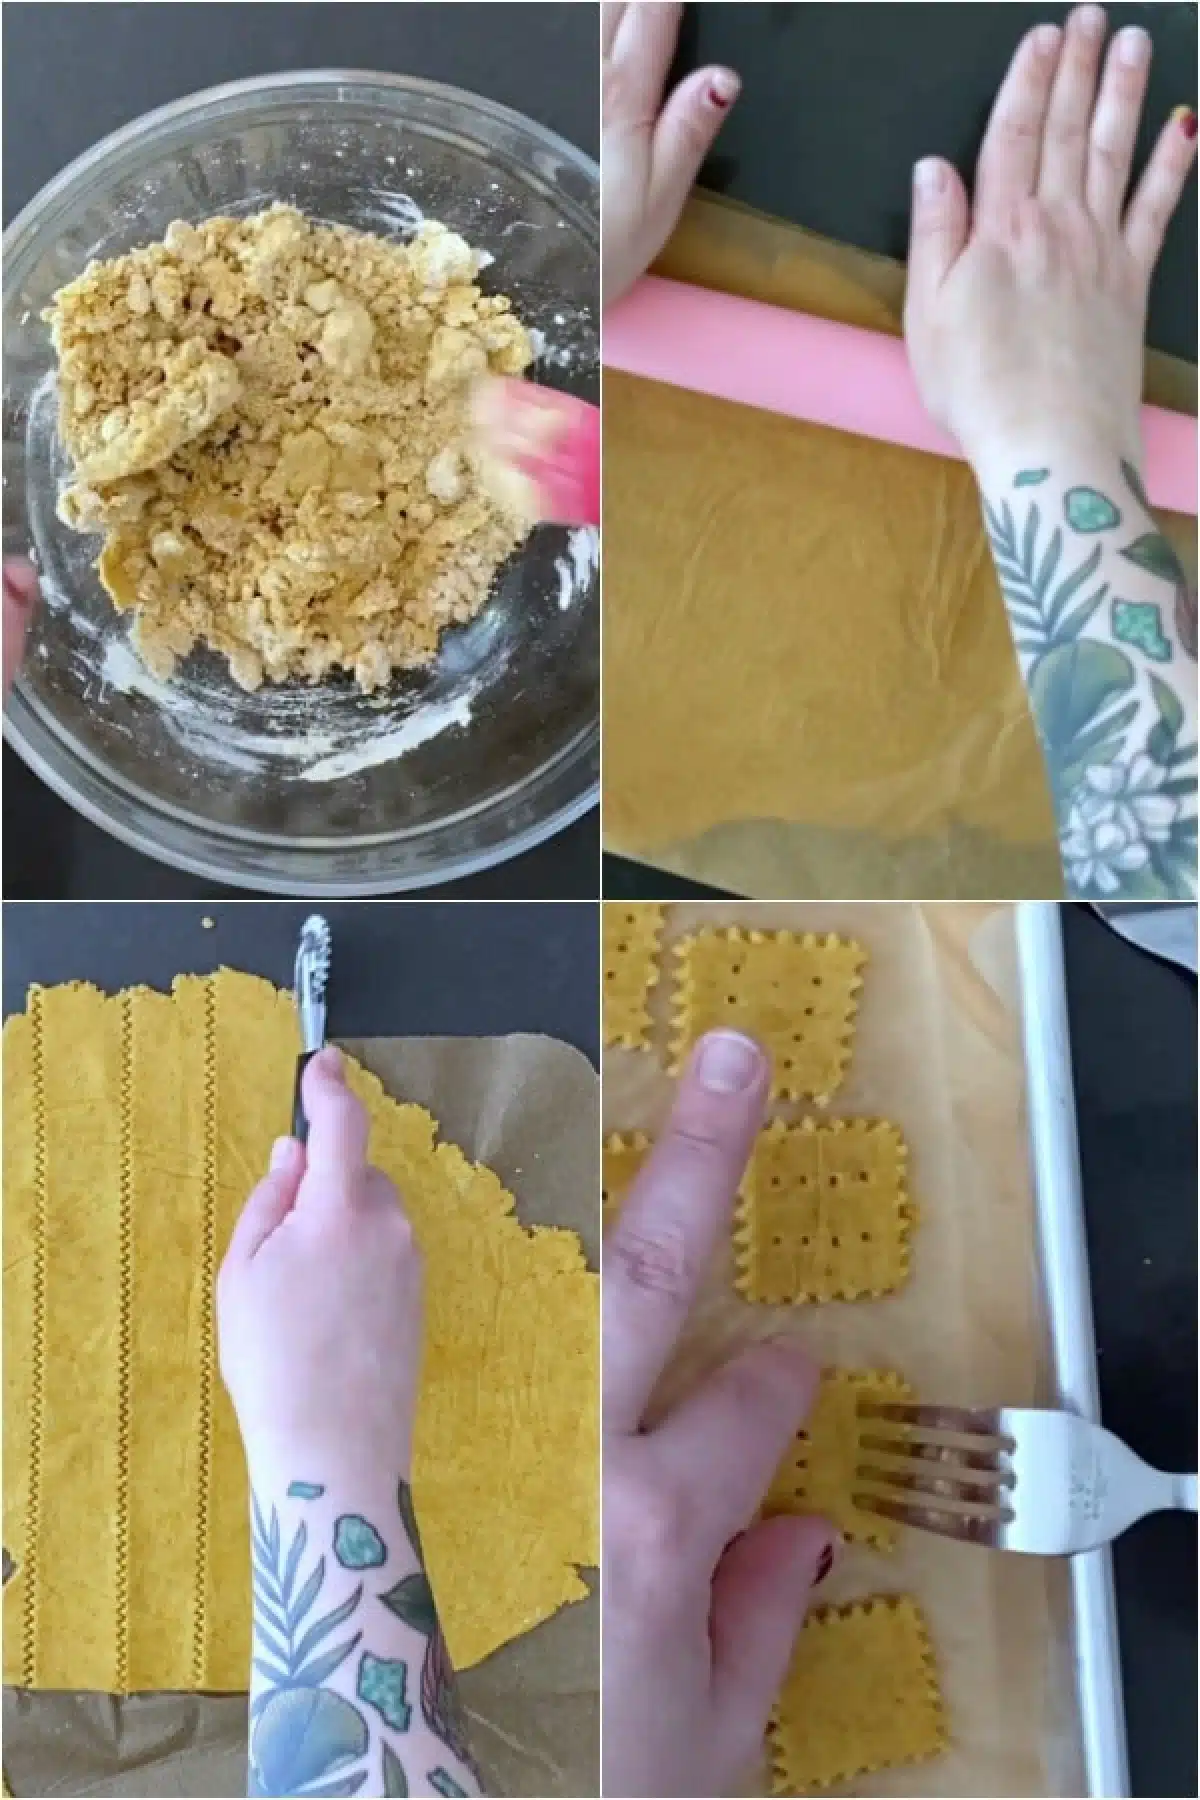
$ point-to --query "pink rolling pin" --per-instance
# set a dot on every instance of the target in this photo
(825, 372)
(543, 448)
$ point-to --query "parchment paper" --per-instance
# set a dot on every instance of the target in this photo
(956, 809)
(528, 1107)
(937, 1051)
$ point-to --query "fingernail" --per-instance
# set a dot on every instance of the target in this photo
(1133, 46)
(929, 175)
(281, 1152)
(1187, 120)
(723, 89)
(824, 1565)
(1090, 20)
(729, 1062)
(1045, 39)
(330, 1059)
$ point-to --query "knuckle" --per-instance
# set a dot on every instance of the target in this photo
(653, 1262)
(648, 1527)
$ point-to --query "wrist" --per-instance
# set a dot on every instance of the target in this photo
(1058, 459)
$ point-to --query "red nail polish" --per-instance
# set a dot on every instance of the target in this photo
(1187, 123)
(824, 1566)
(717, 100)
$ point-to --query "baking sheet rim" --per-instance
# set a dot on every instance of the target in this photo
(1063, 1262)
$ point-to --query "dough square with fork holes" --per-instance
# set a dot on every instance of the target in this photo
(861, 1694)
(624, 1154)
(629, 938)
(796, 994)
(820, 1473)
(824, 1213)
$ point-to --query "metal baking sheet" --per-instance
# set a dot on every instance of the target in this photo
(1063, 1264)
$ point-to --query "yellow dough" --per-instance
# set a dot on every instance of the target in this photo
(800, 625)
(135, 1126)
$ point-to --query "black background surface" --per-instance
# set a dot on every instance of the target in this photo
(839, 102)
(407, 968)
(1133, 1038)
(76, 72)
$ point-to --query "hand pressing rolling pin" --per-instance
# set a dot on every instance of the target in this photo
(1024, 323)
(319, 1315)
(702, 1600)
(1025, 316)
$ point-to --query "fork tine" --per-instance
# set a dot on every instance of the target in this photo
(963, 1420)
(965, 1527)
(944, 1480)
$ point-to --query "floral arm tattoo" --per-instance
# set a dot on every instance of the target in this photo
(352, 1691)
(1104, 623)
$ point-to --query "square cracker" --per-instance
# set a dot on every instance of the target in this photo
(861, 1694)
(824, 1213)
(796, 994)
(630, 937)
(820, 1471)
(624, 1154)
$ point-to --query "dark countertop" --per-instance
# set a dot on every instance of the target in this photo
(838, 104)
(76, 72)
(1133, 1038)
(409, 968)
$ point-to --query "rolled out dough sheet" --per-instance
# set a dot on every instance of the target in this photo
(135, 1126)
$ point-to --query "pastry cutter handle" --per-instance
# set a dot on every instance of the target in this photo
(299, 1116)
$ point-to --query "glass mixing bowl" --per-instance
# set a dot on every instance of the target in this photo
(297, 789)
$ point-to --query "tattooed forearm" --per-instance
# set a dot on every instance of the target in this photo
(1108, 663)
(339, 1634)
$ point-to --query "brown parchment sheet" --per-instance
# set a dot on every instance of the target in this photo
(810, 687)
(529, 1108)
(937, 1051)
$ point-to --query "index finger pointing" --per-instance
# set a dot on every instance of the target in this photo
(673, 1217)
(338, 1126)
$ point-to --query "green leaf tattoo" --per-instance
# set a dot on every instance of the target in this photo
(1156, 554)
(1087, 509)
(357, 1544)
(1138, 623)
(1122, 778)
(1044, 611)
(442, 1783)
(305, 1490)
(408, 1516)
(383, 1684)
(1133, 482)
(1030, 478)
(284, 1651)
(395, 1781)
(412, 1601)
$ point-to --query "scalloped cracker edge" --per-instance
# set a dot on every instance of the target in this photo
(623, 1155)
(861, 1695)
(819, 1474)
(833, 1037)
(849, 1272)
(630, 937)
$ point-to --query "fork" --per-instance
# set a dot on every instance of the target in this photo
(1014, 1478)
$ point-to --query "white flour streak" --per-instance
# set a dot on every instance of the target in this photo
(427, 722)
(577, 566)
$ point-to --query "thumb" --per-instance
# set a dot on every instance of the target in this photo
(683, 137)
(270, 1203)
(940, 221)
(761, 1593)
